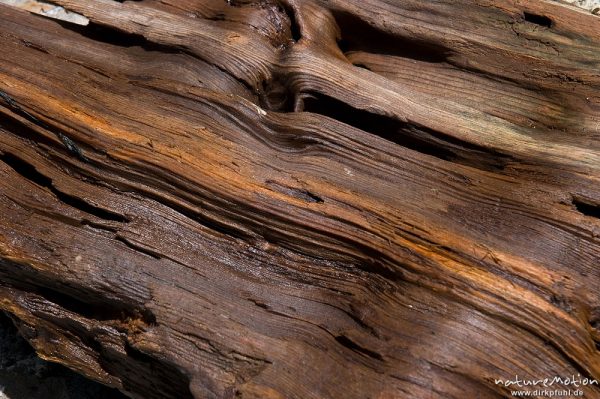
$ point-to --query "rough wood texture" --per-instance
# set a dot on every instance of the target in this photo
(304, 199)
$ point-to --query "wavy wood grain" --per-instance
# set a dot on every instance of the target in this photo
(303, 199)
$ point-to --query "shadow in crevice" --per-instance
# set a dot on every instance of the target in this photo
(354, 347)
(140, 372)
(23, 375)
(411, 136)
(30, 173)
(540, 20)
(80, 300)
(587, 208)
(113, 36)
(358, 35)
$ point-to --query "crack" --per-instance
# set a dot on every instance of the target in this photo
(587, 208)
(117, 37)
(295, 29)
(358, 35)
(67, 142)
(71, 297)
(540, 20)
(342, 339)
(30, 173)
(409, 135)
(301, 194)
(166, 379)
(353, 346)
(138, 248)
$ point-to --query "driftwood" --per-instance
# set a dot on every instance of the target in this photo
(304, 199)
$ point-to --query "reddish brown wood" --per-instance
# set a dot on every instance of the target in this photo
(304, 199)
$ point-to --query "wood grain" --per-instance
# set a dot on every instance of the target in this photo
(304, 199)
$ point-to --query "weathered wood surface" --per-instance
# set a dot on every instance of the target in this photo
(305, 199)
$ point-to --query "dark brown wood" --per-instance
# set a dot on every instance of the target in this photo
(304, 199)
